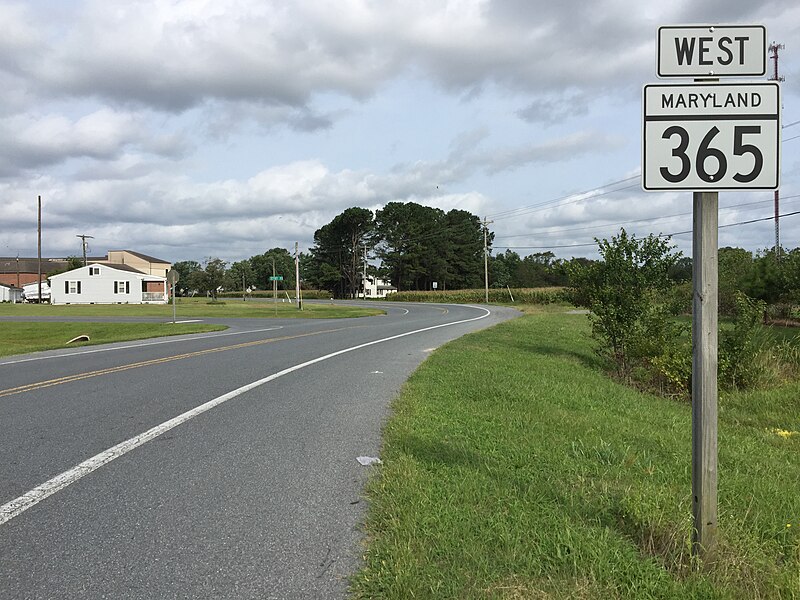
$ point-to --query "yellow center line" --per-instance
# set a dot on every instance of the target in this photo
(79, 376)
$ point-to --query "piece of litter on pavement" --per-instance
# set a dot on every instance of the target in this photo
(377, 372)
(368, 460)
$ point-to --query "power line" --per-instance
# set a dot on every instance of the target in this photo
(540, 232)
(661, 235)
(516, 212)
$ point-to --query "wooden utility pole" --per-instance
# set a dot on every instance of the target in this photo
(486, 258)
(84, 237)
(297, 276)
(39, 230)
(704, 374)
(364, 276)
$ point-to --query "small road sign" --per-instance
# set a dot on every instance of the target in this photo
(173, 277)
(712, 51)
(722, 136)
(276, 278)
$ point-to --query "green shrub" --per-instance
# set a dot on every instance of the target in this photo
(625, 293)
(744, 348)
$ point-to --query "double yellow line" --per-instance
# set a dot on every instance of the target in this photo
(146, 363)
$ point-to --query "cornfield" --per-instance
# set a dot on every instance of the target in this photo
(477, 296)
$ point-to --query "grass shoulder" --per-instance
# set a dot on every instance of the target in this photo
(24, 337)
(514, 468)
(195, 307)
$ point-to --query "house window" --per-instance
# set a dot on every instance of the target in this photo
(122, 287)
(72, 287)
(94, 271)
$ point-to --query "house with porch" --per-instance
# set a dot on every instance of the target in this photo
(374, 287)
(102, 283)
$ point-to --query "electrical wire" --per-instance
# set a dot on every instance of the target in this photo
(661, 235)
(524, 210)
(541, 232)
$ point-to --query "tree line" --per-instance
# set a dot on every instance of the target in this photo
(415, 245)
(408, 244)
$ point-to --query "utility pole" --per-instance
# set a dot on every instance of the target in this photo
(274, 284)
(774, 47)
(84, 237)
(39, 229)
(364, 276)
(486, 258)
(274, 288)
(297, 276)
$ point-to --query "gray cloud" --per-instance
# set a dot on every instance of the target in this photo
(35, 141)
(550, 110)
(170, 56)
(248, 66)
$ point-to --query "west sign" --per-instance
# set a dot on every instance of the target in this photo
(712, 51)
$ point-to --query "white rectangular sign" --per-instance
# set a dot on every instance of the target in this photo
(723, 136)
(712, 51)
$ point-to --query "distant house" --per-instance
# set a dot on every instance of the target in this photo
(10, 293)
(20, 271)
(101, 283)
(140, 262)
(376, 288)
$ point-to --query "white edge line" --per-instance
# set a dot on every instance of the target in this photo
(19, 505)
(179, 338)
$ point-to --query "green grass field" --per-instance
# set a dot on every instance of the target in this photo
(189, 308)
(514, 468)
(21, 338)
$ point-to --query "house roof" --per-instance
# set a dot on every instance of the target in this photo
(150, 259)
(8, 264)
(116, 267)
(10, 287)
(120, 267)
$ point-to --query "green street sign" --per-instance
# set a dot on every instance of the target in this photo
(276, 278)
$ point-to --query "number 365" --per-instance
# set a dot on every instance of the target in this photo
(706, 151)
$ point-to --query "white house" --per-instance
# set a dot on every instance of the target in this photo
(376, 288)
(107, 284)
(10, 293)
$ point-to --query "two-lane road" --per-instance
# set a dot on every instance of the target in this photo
(221, 465)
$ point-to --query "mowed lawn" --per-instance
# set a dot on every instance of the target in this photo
(21, 338)
(191, 308)
(514, 468)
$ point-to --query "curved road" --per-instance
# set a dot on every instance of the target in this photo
(220, 465)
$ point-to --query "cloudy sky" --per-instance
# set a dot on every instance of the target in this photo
(193, 128)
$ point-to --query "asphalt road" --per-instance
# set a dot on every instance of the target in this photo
(214, 466)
